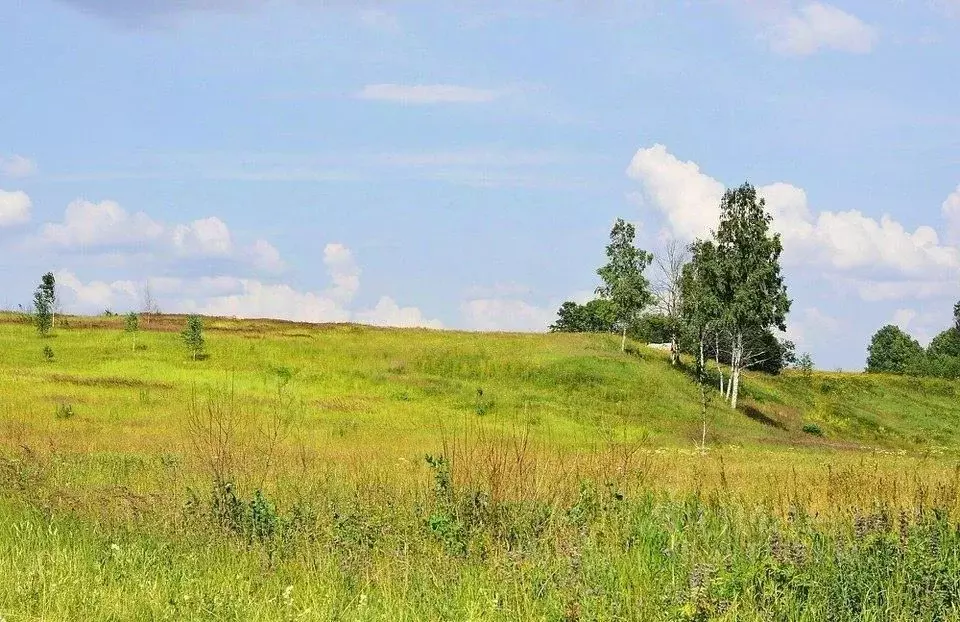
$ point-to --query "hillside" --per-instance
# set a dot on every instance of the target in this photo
(349, 472)
(362, 385)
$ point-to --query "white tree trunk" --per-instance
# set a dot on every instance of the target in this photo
(623, 340)
(717, 358)
(736, 364)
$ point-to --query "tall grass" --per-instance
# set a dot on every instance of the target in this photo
(354, 474)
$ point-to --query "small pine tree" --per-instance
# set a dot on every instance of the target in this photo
(192, 335)
(132, 326)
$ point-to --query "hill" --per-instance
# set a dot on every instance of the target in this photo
(339, 471)
(362, 384)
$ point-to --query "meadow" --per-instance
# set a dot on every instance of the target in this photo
(345, 472)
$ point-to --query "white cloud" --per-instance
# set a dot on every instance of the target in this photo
(106, 227)
(687, 198)
(14, 208)
(389, 313)
(878, 291)
(343, 271)
(17, 166)
(922, 325)
(266, 257)
(260, 300)
(819, 26)
(95, 296)
(506, 314)
(420, 94)
(250, 298)
(845, 242)
(86, 224)
(209, 237)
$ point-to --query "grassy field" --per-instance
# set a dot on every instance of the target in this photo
(353, 473)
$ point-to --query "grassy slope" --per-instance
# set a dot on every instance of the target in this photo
(89, 502)
(359, 386)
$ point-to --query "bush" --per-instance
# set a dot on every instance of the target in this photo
(65, 411)
(48, 355)
(812, 428)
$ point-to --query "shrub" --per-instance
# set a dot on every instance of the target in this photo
(65, 411)
(48, 355)
(812, 428)
(192, 335)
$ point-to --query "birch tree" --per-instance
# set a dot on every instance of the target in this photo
(668, 292)
(751, 290)
(624, 284)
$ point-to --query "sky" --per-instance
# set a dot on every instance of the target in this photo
(412, 164)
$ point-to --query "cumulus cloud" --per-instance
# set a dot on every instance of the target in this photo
(951, 213)
(922, 325)
(845, 242)
(17, 166)
(249, 298)
(208, 237)
(14, 208)
(105, 224)
(266, 257)
(261, 300)
(819, 26)
(95, 296)
(343, 271)
(388, 313)
(506, 314)
(686, 197)
(106, 227)
(423, 94)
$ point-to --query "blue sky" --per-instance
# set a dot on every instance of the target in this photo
(407, 163)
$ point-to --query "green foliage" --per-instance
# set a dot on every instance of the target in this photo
(44, 300)
(812, 428)
(750, 286)
(192, 336)
(132, 326)
(65, 411)
(48, 354)
(624, 283)
(596, 316)
(805, 365)
(893, 351)
(652, 328)
(946, 343)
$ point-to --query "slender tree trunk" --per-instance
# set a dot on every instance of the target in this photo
(735, 380)
(623, 340)
(674, 349)
(716, 354)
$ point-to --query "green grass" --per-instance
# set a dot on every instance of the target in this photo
(570, 487)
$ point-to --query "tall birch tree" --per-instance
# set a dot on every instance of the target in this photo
(624, 284)
(750, 287)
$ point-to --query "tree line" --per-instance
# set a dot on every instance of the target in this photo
(894, 351)
(720, 298)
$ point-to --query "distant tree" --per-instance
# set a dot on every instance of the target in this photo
(668, 293)
(624, 284)
(652, 328)
(192, 335)
(804, 364)
(596, 316)
(893, 351)
(49, 286)
(132, 326)
(946, 343)
(750, 287)
(43, 304)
